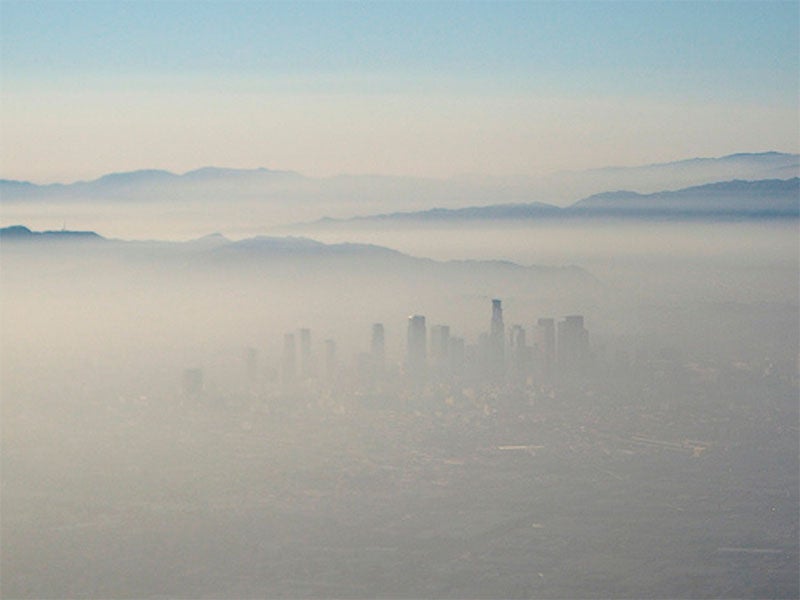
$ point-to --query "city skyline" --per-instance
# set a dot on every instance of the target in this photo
(499, 355)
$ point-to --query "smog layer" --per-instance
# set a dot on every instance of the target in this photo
(476, 403)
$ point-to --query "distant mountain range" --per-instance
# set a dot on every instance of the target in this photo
(761, 198)
(770, 198)
(492, 212)
(149, 184)
(299, 256)
(566, 187)
(350, 195)
(22, 233)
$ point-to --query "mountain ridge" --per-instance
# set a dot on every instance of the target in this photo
(577, 183)
(265, 248)
(211, 170)
(764, 198)
(21, 232)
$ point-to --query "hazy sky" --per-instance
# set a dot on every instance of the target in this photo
(420, 88)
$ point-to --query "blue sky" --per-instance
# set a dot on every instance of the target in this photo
(393, 87)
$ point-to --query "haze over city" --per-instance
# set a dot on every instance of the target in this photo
(399, 300)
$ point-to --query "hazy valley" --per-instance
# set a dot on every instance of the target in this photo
(250, 413)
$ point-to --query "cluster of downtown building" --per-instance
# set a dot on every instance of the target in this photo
(502, 355)
(437, 363)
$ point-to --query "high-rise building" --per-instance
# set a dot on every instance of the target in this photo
(497, 341)
(544, 340)
(517, 337)
(289, 361)
(520, 356)
(417, 348)
(497, 327)
(572, 349)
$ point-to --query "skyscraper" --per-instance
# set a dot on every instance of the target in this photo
(544, 340)
(417, 348)
(520, 356)
(497, 341)
(517, 338)
(572, 350)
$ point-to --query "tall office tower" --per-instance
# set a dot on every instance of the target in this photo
(417, 348)
(306, 360)
(497, 342)
(516, 337)
(573, 346)
(545, 350)
(497, 328)
(331, 367)
(440, 346)
(289, 362)
(378, 349)
(519, 354)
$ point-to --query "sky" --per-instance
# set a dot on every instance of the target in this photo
(432, 89)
